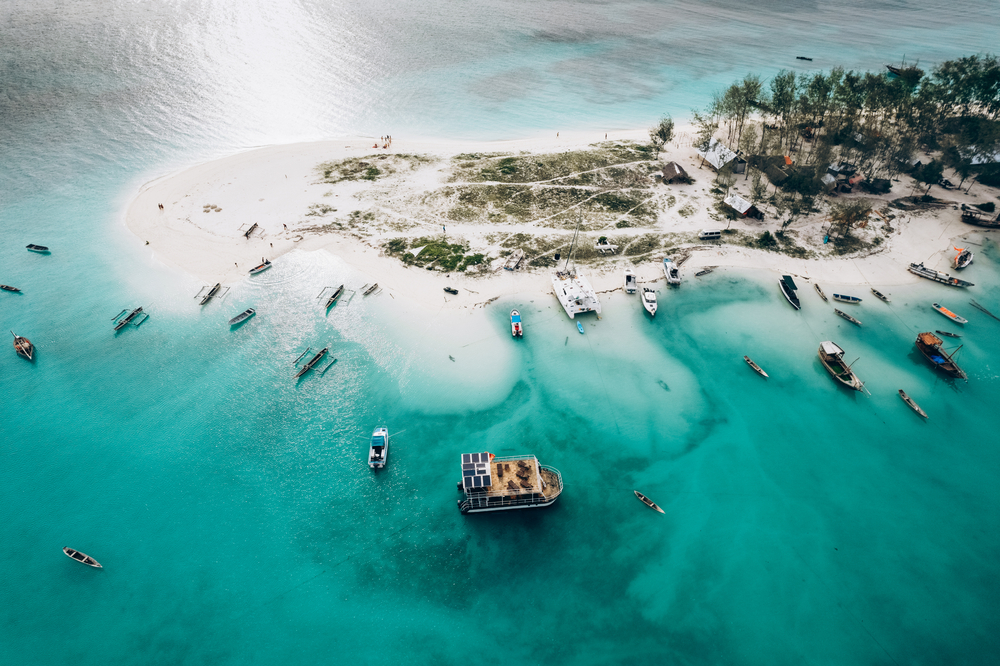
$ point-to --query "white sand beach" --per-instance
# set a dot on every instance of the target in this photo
(207, 210)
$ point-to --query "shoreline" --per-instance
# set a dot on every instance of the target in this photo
(208, 208)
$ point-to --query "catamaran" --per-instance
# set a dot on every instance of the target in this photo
(378, 451)
(572, 289)
(671, 270)
(832, 358)
(492, 483)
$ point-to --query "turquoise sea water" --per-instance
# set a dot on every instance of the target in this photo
(231, 505)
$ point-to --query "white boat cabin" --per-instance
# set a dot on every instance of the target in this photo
(378, 452)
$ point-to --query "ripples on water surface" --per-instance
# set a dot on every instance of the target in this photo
(230, 504)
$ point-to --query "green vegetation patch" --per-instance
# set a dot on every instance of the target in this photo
(370, 167)
(533, 168)
(435, 252)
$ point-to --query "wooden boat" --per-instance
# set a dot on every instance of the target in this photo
(579, 327)
(704, 271)
(631, 281)
(671, 270)
(8, 288)
(930, 346)
(243, 316)
(949, 314)
(649, 300)
(803, 58)
(756, 368)
(648, 502)
(788, 288)
(950, 335)
(211, 292)
(124, 321)
(847, 316)
(260, 268)
(338, 292)
(879, 295)
(963, 258)
(894, 70)
(844, 298)
(937, 276)
(832, 358)
(378, 450)
(820, 292)
(514, 260)
(979, 219)
(909, 401)
(82, 558)
(309, 366)
(36, 248)
(516, 330)
(23, 346)
(253, 228)
(370, 289)
(451, 290)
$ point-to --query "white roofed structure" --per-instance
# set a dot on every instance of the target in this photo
(742, 206)
(716, 154)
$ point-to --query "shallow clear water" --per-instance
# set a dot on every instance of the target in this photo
(231, 505)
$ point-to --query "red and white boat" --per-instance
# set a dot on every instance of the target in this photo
(516, 330)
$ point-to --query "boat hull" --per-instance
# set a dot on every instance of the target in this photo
(789, 295)
(945, 312)
(840, 371)
(931, 349)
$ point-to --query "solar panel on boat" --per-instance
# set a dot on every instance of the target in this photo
(466, 457)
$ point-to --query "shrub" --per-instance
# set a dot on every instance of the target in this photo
(766, 240)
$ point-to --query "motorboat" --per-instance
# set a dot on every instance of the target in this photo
(649, 300)
(516, 330)
(756, 368)
(930, 346)
(261, 267)
(832, 358)
(8, 288)
(648, 502)
(503, 483)
(242, 317)
(671, 270)
(23, 346)
(963, 258)
(378, 451)
(36, 248)
(949, 314)
(631, 281)
(913, 405)
(788, 288)
(82, 558)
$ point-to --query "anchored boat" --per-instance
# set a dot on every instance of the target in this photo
(704, 271)
(8, 288)
(572, 289)
(333, 299)
(82, 558)
(937, 276)
(36, 248)
(451, 290)
(124, 321)
(930, 346)
(261, 268)
(844, 298)
(963, 258)
(648, 502)
(949, 314)
(788, 288)
(242, 317)
(23, 346)
(671, 270)
(946, 333)
(847, 316)
(832, 358)
(820, 292)
(879, 295)
(309, 366)
(909, 401)
(211, 292)
(756, 368)
(492, 483)
(516, 330)
(649, 301)
(378, 451)
(631, 281)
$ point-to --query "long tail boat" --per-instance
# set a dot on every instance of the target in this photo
(930, 346)
(309, 366)
(832, 358)
(937, 276)
(756, 368)
(23, 346)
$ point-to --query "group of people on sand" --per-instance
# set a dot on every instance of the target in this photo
(385, 140)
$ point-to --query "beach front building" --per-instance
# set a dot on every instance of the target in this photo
(743, 207)
(491, 483)
(716, 154)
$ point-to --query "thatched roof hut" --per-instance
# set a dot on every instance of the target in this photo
(672, 171)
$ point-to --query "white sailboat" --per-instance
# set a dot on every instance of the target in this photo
(573, 290)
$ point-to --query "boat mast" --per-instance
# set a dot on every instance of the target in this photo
(572, 246)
